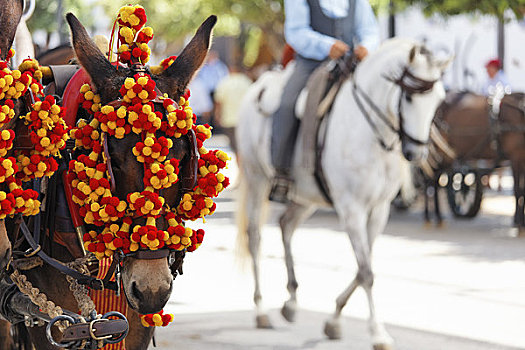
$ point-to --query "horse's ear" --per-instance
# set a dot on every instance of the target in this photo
(102, 73)
(179, 74)
(443, 64)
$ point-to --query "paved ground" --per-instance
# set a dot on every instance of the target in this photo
(461, 287)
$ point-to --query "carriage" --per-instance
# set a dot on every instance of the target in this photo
(472, 136)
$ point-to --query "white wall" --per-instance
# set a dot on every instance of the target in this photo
(453, 33)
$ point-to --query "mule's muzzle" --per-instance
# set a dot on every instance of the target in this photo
(149, 301)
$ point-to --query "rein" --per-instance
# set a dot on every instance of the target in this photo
(409, 85)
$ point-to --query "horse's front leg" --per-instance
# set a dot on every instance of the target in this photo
(354, 218)
(437, 208)
(294, 215)
(362, 229)
(375, 226)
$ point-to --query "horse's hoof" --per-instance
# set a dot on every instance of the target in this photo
(263, 322)
(427, 225)
(288, 311)
(332, 329)
(383, 347)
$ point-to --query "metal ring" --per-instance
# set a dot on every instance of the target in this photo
(123, 335)
(50, 336)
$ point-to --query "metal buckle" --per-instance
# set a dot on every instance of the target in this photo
(34, 252)
(92, 330)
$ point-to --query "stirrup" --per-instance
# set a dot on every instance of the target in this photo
(280, 189)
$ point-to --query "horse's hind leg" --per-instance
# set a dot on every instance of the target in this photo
(251, 207)
(294, 215)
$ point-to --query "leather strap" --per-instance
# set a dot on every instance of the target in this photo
(150, 254)
(101, 329)
(89, 281)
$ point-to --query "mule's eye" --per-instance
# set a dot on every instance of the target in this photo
(408, 98)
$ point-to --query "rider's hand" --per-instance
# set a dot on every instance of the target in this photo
(338, 49)
(360, 52)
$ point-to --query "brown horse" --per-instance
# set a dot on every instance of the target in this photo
(59, 55)
(147, 283)
(470, 132)
(512, 128)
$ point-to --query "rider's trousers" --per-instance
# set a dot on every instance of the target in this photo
(285, 125)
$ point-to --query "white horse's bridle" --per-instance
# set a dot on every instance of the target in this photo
(409, 85)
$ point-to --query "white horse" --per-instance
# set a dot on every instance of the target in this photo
(387, 108)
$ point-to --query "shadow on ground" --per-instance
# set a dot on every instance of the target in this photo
(235, 330)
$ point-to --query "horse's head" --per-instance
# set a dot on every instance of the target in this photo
(421, 93)
(147, 282)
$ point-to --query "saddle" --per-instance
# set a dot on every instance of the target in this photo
(315, 103)
(321, 89)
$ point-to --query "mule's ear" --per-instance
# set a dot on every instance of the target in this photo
(10, 16)
(179, 74)
(102, 73)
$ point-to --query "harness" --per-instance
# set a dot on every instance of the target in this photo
(187, 180)
(409, 85)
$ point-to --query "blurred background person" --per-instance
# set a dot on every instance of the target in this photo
(496, 78)
(201, 101)
(228, 96)
(211, 73)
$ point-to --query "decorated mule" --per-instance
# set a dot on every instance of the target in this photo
(386, 109)
(107, 174)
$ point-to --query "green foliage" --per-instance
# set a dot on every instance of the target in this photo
(454, 7)
(45, 16)
(173, 19)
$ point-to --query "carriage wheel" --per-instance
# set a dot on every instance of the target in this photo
(464, 193)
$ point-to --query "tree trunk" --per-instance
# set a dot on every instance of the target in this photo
(391, 20)
(501, 42)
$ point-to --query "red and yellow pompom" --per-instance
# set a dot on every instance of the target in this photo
(159, 319)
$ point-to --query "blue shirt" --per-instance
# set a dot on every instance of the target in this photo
(499, 81)
(311, 44)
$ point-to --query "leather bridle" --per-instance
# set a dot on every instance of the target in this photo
(409, 85)
(187, 180)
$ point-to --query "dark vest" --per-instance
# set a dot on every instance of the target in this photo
(339, 28)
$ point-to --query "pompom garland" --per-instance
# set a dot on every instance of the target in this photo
(159, 319)
(132, 35)
(113, 227)
(47, 132)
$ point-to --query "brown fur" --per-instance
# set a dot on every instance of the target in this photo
(466, 126)
(10, 15)
(128, 172)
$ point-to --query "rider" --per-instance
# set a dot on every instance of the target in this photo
(317, 30)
